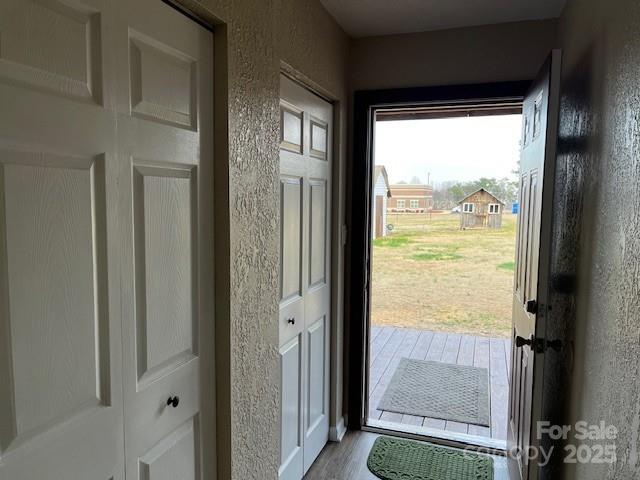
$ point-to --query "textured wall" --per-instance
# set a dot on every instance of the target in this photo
(596, 257)
(511, 51)
(260, 34)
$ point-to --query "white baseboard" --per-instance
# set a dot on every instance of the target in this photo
(337, 432)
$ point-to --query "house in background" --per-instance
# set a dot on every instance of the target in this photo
(381, 193)
(481, 209)
(410, 198)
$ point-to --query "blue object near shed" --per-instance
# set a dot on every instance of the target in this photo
(515, 207)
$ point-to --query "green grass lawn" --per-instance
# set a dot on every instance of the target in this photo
(430, 274)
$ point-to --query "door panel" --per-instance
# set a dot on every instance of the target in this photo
(58, 340)
(291, 128)
(316, 359)
(316, 412)
(319, 138)
(305, 174)
(537, 160)
(163, 82)
(533, 236)
(49, 220)
(291, 455)
(165, 219)
(292, 264)
(64, 60)
(165, 73)
(521, 235)
(317, 305)
(173, 457)
(291, 235)
(60, 370)
(317, 234)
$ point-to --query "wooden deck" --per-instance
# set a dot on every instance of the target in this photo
(389, 344)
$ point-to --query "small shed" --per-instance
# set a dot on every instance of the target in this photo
(381, 192)
(481, 209)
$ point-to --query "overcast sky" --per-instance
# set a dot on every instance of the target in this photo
(450, 149)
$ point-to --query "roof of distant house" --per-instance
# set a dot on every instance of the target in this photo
(403, 189)
(482, 190)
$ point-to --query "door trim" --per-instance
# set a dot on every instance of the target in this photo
(359, 184)
(190, 12)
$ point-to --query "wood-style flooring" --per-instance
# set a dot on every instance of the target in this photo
(347, 460)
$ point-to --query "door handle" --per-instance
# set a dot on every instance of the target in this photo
(538, 344)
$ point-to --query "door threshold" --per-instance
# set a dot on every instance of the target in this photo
(438, 437)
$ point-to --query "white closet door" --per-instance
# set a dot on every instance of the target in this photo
(60, 370)
(165, 129)
(105, 241)
(305, 199)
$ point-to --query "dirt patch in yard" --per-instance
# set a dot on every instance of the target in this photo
(430, 274)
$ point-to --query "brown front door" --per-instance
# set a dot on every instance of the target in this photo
(537, 162)
(379, 216)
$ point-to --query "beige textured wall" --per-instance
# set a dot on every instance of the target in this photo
(510, 51)
(261, 36)
(597, 225)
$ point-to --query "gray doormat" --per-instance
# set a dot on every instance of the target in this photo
(399, 459)
(439, 390)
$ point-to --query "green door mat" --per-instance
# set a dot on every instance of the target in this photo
(399, 459)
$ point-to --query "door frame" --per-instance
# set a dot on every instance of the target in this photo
(359, 184)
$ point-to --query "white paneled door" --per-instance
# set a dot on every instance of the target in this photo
(105, 241)
(305, 205)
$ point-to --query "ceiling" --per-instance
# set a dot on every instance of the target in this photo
(363, 18)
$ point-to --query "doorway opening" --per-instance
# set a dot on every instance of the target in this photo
(443, 235)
